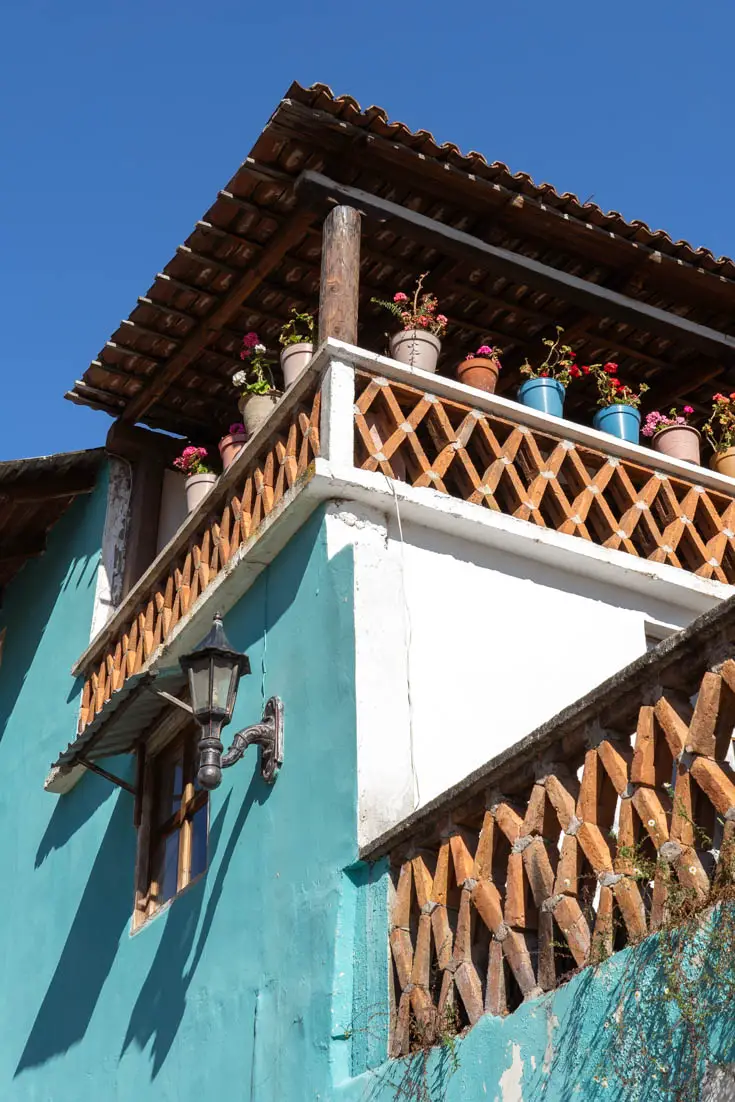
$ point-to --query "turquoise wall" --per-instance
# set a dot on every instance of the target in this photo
(267, 980)
(229, 992)
(654, 1023)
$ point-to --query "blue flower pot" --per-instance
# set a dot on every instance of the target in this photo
(545, 395)
(619, 420)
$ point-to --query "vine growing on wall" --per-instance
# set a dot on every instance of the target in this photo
(677, 991)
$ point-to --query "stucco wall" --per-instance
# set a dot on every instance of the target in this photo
(463, 649)
(614, 1033)
(229, 993)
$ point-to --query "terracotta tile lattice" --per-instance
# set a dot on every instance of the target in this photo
(427, 440)
(590, 856)
(183, 577)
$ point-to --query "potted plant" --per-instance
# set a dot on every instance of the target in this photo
(481, 368)
(672, 434)
(720, 432)
(230, 445)
(546, 385)
(258, 394)
(418, 344)
(618, 414)
(297, 345)
(199, 474)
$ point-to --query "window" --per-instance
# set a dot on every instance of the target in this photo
(656, 631)
(172, 836)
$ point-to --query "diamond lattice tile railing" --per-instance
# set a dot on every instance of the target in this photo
(183, 575)
(427, 440)
(511, 896)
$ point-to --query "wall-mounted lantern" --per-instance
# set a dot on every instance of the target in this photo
(214, 670)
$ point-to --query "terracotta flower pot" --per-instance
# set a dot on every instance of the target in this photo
(480, 372)
(724, 462)
(679, 441)
(229, 447)
(197, 488)
(255, 409)
(294, 358)
(417, 348)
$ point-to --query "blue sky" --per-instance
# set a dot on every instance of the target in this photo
(120, 121)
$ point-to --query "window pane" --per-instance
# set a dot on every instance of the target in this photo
(170, 781)
(167, 871)
(199, 842)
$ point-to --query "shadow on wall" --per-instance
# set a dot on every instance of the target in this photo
(93, 939)
(72, 812)
(70, 561)
(641, 1045)
(160, 1006)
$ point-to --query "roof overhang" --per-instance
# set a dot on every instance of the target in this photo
(34, 495)
(256, 254)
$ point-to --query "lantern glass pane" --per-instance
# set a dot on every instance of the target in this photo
(199, 684)
(222, 673)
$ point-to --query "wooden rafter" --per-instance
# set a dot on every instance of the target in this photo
(279, 245)
(317, 188)
(45, 488)
(22, 547)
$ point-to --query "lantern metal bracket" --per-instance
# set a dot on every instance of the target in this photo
(268, 735)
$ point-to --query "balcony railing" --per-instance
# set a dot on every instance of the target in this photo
(228, 518)
(551, 478)
(360, 412)
(613, 819)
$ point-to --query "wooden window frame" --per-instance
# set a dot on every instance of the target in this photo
(172, 734)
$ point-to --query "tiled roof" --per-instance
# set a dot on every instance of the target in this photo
(375, 120)
(194, 313)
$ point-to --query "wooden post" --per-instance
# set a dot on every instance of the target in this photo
(340, 288)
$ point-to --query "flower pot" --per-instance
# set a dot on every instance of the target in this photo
(229, 447)
(679, 441)
(294, 358)
(480, 372)
(197, 488)
(417, 348)
(255, 409)
(619, 420)
(724, 462)
(545, 395)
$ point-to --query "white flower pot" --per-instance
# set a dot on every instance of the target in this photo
(417, 348)
(197, 488)
(294, 358)
(255, 410)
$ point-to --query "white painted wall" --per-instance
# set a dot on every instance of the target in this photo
(463, 648)
(108, 589)
(173, 511)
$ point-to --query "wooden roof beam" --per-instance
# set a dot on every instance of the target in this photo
(48, 487)
(291, 232)
(608, 303)
(22, 547)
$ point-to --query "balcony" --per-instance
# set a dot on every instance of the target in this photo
(612, 820)
(357, 425)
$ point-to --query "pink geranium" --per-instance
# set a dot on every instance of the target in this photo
(418, 312)
(656, 421)
(193, 460)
